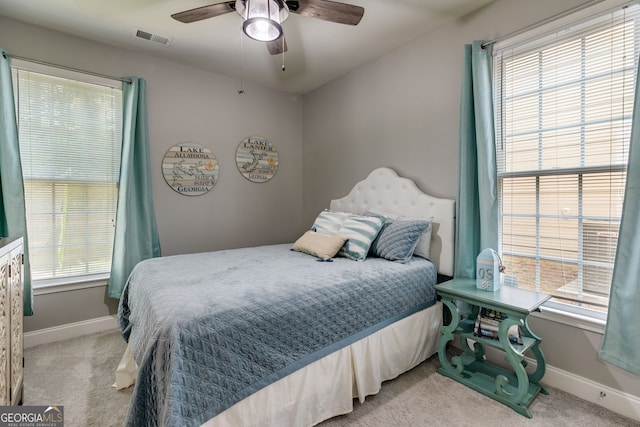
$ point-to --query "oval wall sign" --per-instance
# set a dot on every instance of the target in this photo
(190, 169)
(257, 159)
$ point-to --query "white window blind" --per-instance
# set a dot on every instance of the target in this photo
(564, 103)
(70, 141)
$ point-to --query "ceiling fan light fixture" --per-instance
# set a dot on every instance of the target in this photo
(262, 18)
(262, 29)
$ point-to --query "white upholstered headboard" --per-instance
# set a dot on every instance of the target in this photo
(385, 191)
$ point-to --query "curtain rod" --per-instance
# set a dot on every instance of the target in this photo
(77, 70)
(544, 21)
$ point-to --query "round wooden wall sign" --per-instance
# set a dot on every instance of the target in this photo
(190, 169)
(257, 159)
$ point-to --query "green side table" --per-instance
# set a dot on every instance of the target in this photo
(513, 387)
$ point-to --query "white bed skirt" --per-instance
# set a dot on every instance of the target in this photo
(327, 387)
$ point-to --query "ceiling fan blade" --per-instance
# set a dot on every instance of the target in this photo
(205, 12)
(341, 13)
(277, 46)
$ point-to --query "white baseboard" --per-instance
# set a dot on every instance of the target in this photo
(70, 330)
(615, 400)
(610, 398)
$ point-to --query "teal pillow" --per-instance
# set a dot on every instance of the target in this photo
(360, 231)
(398, 239)
(328, 221)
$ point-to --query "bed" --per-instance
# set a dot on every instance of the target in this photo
(269, 336)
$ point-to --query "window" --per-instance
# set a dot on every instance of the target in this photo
(70, 130)
(564, 103)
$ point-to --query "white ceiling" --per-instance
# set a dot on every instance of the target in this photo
(318, 51)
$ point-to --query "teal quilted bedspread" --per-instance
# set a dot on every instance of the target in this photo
(209, 329)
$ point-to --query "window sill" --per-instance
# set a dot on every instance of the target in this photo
(52, 286)
(576, 320)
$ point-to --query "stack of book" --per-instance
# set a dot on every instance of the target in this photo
(488, 323)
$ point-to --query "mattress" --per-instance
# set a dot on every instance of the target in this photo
(208, 330)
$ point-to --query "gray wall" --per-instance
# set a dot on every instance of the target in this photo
(402, 111)
(185, 104)
(399, 111)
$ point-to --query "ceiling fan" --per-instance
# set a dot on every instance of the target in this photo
(262, 19)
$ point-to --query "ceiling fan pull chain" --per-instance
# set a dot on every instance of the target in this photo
(241, 90)
(283, 69)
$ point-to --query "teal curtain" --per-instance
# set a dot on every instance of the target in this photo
(136, 233)
(13, 219)
(621, 346)
(477, 200)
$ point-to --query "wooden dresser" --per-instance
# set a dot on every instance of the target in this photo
(11, 321)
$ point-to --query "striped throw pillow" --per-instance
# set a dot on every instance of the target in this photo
(328, 222)
(360, 231)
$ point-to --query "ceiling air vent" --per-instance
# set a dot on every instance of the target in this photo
(155, 38)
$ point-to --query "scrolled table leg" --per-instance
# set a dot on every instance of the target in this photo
(515, 360)
(456, 366)
(537, 375)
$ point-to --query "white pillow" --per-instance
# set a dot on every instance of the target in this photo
(423, 248)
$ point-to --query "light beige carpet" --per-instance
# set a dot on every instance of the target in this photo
(78, 374)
